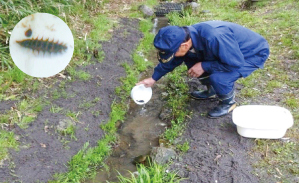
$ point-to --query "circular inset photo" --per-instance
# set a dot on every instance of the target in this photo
(41, 45)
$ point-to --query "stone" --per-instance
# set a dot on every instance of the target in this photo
(162, 155)
(165, 114)
(205, 11)
(146, 11)
(64, 124)
(194, 5)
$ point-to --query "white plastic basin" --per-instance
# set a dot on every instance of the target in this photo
(262, 121)
(140, 94)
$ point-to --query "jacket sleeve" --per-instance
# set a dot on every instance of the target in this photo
(225, 47)
(163, 68)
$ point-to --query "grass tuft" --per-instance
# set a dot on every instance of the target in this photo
(154, 173)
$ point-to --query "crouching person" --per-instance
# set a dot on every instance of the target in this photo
(218, 53)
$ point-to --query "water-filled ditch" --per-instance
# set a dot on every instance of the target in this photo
(137, 134)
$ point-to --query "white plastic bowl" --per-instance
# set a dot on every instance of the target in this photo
(262, 121)
(140, 94)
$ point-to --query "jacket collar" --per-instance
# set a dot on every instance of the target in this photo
(196, 43)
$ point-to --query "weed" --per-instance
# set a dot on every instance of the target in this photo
(154, 173)
(96, 113)
(273, 84)
(56, 94)
(67, 127)
(70, 130)
(78, 74)
(183, 147)
(55, 109)
(86, 105)
(250, 92)
(73, 115)
(7, 140)
(26, 111)
(95, 100)
(177, 90)
(83, 75)
(292, 102)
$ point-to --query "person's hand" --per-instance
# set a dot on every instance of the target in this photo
(196, 70)
(148, 82)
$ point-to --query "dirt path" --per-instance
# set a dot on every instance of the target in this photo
(217, 153)
(43, 150)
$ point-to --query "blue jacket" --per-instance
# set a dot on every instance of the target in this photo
(221, 47)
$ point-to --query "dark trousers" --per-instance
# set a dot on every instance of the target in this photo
(222, 82)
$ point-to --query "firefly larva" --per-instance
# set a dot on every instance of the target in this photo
(42, 45)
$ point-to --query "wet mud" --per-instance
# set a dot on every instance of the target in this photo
(43, 150)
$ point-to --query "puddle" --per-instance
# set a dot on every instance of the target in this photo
(137, 135)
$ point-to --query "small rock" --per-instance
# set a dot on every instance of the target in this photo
(161, 155)
(182, 173)
(180, 159)
(191, 7)
(46, 129)
(161, 124)
(165, 113)
(136, 173)
(205, 11)
(194, 5)
(64, 124)
(147, 11)
(177, 140)
(17, 137)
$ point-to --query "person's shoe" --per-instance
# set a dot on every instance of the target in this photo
(207, 94)
(226, 104)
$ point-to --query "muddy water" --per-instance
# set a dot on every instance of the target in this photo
(137, 135)
(159, 22)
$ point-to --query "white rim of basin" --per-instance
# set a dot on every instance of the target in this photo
(262, 117)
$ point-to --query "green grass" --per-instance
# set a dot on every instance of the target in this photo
(7, 140)
(155, 173)
(88, 104)
(55, 109)
(177, 99)
(183, 147)
(292, 102)
(24, 113)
